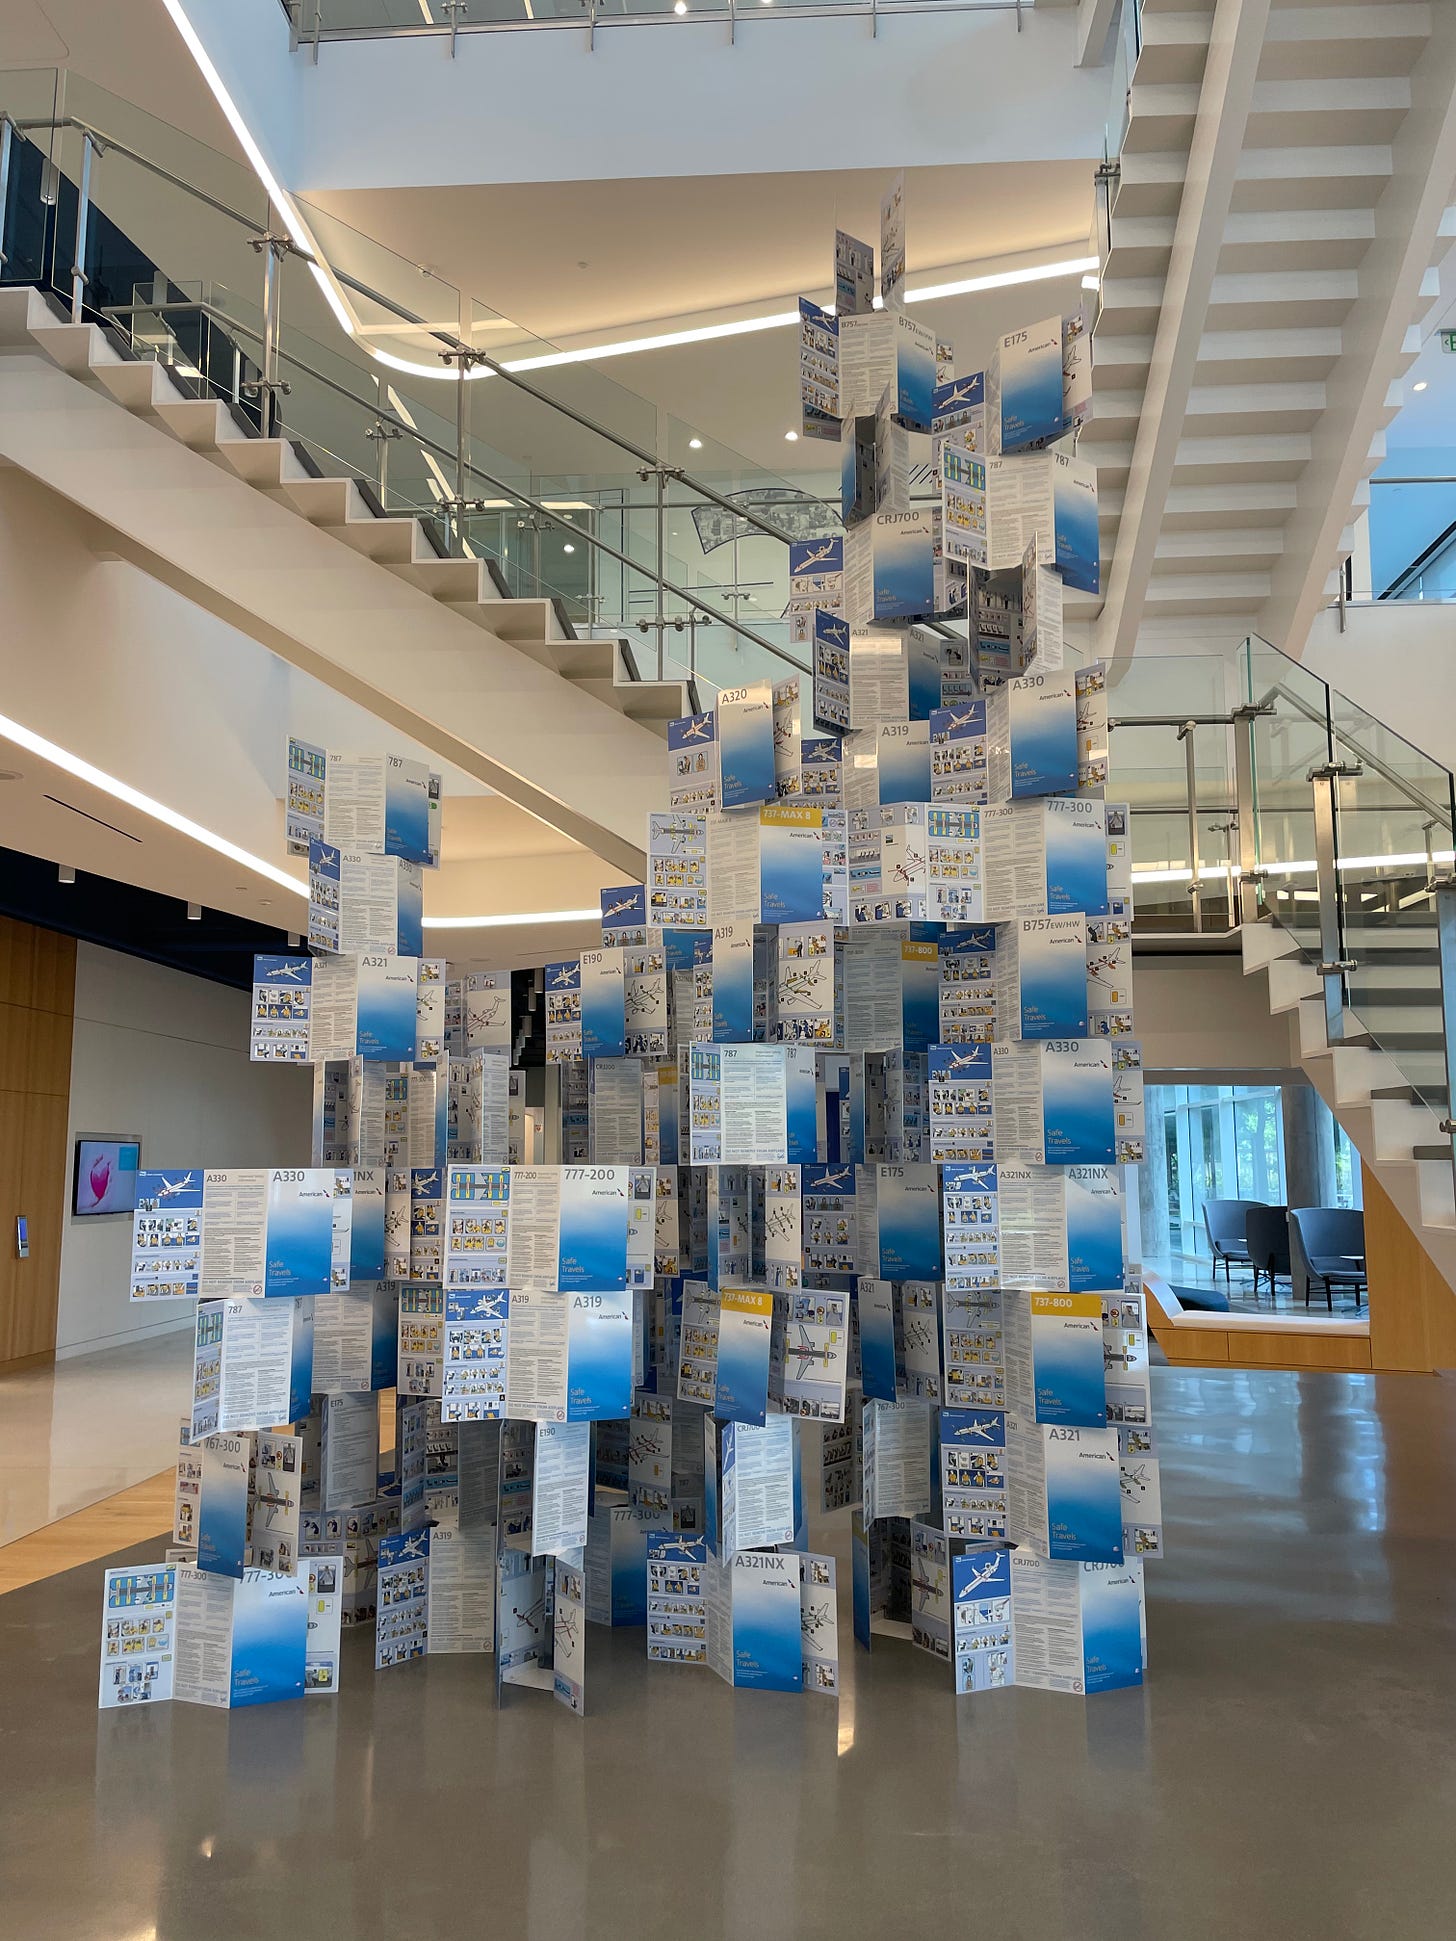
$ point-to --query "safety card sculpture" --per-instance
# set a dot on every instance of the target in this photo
(824, 1182)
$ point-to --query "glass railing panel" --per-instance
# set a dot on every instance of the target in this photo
(1149, 771)
(1394, 840)
(344, 19)
(147, 210)
(1287, 742)
(28, 217)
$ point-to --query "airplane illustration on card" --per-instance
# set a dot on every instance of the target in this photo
(829, 1181)
(617, 908)
(978, 1429)
(826, 551)
(679, 1549)
(808, 1356)
(290, 968)
(984, 1574)
(169, 1189)
(698, 728)
(836, 633)
(565, 975)
(925, 1588)
(427, 1184)
(960, 1061)
(975, 1179)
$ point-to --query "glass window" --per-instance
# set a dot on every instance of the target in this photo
(1219, 1142)
(1349, 1178)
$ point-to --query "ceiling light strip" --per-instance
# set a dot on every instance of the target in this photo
(119, 791)
(97, 778)
(292, 222)
(741, 327)
(592, 915)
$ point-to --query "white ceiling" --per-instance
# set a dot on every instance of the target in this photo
(663, 255)
(575, 259)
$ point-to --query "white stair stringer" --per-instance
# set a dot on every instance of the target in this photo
(1275, 231)
(1384, 1131)
(491, 704)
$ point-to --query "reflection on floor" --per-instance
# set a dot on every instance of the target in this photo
(1188, 1270)
(80, 1430)
(115, 1523)
(1286, 1772)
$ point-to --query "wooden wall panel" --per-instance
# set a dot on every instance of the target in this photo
(37, 1005)
(1412, 1306)
(1257, 1349)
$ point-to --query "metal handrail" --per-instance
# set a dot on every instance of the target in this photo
(483, 359)
(593, 19)
(101, 142)
(1416, 798)
(445, 338)
(107, 142)
(512, 492)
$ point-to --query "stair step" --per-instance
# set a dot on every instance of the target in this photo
(134, 385)
(1404, 997)
(323, 502)
(1431, 1152)
(199, 423)
(76, 347)
(391, 542)
(1393, 1041)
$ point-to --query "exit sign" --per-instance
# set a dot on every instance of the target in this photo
(1448, 341)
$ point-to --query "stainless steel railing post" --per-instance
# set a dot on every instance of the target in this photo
(79, 278)
(1242, 721)
(7, 136)
(1446, 944)
(1333, 964)
(1190, 760)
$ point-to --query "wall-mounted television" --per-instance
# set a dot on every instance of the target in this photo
(106, 1175)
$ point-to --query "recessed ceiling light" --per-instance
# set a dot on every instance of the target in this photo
(694, 445)
(1419, 387)
(568, 547)
(680, 6)
(9, 774)
(791, 436)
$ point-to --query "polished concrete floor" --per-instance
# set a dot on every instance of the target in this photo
(1289, 1771)
(76, 1431)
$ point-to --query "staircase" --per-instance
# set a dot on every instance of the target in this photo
(1390, 1111)
(1280, 201)
(346, 507)
(433, 644)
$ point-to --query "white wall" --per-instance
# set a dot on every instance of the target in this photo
(1200, 1013)
(1397, 660)
(669, 99)
(165, 1055)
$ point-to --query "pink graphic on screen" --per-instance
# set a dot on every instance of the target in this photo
(106, 1172)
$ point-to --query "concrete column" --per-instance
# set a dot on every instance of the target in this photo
(1309, 1160)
